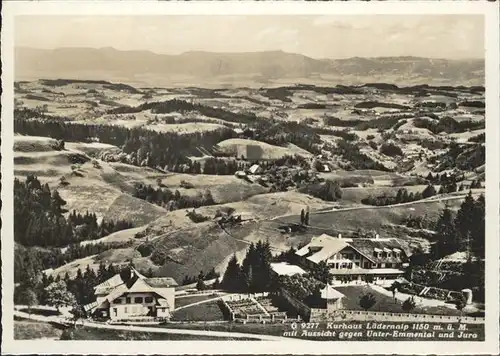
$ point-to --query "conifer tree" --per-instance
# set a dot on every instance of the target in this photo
(232, 276)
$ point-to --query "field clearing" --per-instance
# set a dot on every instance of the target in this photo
(33, 143)
(259, 150)
(185, 128)
(118, 236)
(83, 186)
(355, 195)
(195, 249)
(375, 217)
(33, 330)
(137, 211)
(91, 149)
(72, 267)
(367, 176)
(464, 136)
(118, 255)
(224, 188)
(202, 312)
(385, 303)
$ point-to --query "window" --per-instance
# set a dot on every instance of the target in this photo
(366, 265)
(117, 301)
(115, 311)
(125, 310)
(148, 300)
(128, 300)
(138, 300)
(389, 265)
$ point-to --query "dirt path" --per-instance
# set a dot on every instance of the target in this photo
(151, 329)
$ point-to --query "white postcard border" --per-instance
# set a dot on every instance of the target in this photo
(488, 9)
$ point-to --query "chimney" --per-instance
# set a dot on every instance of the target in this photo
(340, 236)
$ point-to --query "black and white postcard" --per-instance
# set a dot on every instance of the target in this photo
(250, 177)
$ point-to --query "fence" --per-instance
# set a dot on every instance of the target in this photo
(361, 315)
(138, 320)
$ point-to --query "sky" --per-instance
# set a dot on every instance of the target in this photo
(342, 36)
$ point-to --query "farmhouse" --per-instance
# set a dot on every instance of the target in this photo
(357, 259)
(130, 295)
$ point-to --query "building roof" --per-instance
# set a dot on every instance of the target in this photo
(161, 282)
(112, 282)
(321, 248)
(286, 269)
(366, 247)
(115, 286)
(330, 293)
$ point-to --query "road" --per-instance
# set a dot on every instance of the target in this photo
(151, 329)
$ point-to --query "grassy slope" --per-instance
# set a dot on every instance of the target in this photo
(375, 217)
(267, 151)
(385, 303)
(183, 301)
(30, 330)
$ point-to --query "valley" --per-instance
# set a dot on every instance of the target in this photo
(370, 140)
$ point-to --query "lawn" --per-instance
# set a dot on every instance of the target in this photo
(182, 301)
(31, 330)
(202, 312)
(385, 303)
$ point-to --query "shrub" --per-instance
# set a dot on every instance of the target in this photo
(196, 218)
(390, 149)
(145, 249)
(367, 301)
(186, 185)
(67, 334)
(409, 304)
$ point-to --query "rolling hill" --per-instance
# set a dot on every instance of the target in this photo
(231, 68)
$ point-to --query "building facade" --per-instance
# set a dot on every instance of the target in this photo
(357, 259)
(130, 295)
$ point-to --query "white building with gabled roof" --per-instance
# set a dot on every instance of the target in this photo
(353, 259)
(127, 296)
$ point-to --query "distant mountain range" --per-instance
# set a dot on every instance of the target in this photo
(252, 68)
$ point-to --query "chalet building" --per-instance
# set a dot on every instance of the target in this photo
(130, 295)
(356, 259)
